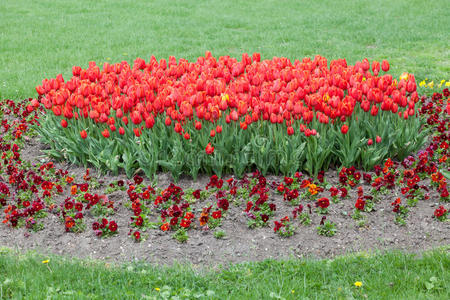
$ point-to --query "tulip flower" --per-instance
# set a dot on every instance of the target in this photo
(344, 129)
(210, 93)
(83, 134)
(290, 130)
(209, 149)
(378, 139)
(385, 65)
(105, 133)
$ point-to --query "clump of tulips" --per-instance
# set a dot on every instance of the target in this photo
(228, 116)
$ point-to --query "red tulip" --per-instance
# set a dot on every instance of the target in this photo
(385, 65)
(168, 121)
(209, 149)
(40, 90)
(178, 127)
(344, 129)
(149, 122)
(365, 64)
(370, 142)
(234, 115)
(105, 133)
(212, 133)
(290, 130)
(137, 132)
(83, 134)
(64, 123)
(219, 129)
(187, 136)
(378, 139)
(375, 67)
(374, 110)
(121, 131)
(198, 125)
(411, 86)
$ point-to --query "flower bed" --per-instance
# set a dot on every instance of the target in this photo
(223, 116)
(29, 193)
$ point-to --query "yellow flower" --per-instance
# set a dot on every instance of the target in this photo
(293, 291)
(45, 261)
(358, 284)
(422, 83)
(157, 289)
(447, 83)
(312, 188)
(404, 76)
(431, 84)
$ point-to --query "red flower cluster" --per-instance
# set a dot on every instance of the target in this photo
(120, 99)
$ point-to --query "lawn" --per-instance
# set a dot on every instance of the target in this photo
(389, 275)
(40, 39)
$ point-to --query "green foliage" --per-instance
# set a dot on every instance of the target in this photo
(327, 229)
(262, 145)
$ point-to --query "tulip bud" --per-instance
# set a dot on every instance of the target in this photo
(385, 65)
(374, 110)
(168, 121)
(137, 132)
(64, 123)
(378, 139)
(178, 127)
(375, 67)
(344, 129)
(83, 134)
(121, 131)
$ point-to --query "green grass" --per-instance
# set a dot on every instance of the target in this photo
(40, 39)
(390, 275)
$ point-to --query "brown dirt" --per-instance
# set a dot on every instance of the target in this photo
(241, 244)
